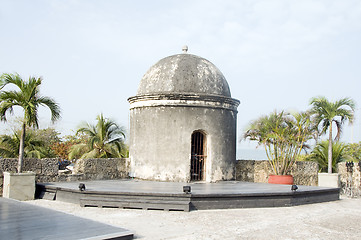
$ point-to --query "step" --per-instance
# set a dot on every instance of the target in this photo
(137, 203)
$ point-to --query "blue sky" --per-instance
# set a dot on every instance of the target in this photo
(274, 54)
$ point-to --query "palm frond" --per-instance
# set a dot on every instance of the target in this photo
(105, 138)
(52, 105)
(77, 150)
(320, 155)
(92, 154)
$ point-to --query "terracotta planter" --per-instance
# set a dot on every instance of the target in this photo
(280, 179)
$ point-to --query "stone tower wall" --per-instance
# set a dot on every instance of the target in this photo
(160, 141)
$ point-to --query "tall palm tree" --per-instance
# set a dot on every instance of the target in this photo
(105, 140)
(326, 113)
(29, 99)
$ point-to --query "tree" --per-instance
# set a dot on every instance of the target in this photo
(62, 148)
(320, 155)
(353, 150)
(50, 137)
(29, 99)
(105, 140)
(33, 148)
(326, 113)
(283, 137)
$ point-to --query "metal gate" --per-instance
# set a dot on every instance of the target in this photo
(198, 157)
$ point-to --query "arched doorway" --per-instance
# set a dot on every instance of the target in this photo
(198, 156)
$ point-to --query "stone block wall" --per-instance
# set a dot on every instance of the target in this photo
(102, 169)
(304, 173)
(350, 182)
(47, 170)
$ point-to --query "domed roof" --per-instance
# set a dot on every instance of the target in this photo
(184, 73)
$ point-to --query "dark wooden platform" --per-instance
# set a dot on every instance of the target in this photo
(169, 196)
(22, 221)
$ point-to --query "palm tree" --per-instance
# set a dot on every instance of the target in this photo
(105, 140)
(320, 155)
(283, 136)
(29, 99)
(326, 113)
(33, 148)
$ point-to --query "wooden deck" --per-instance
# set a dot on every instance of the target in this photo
(169, 196)
(22, 221)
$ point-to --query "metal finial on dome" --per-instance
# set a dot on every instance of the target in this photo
(185, 49)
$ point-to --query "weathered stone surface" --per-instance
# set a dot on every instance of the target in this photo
(304, 173)
(19, 186)
(245, 170)
(261, 171)
(168, 75)
(101, 169)
(350, 182)
(8, 165)
(178, 96)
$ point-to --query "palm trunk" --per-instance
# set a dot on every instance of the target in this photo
(330, 149)
(21, 149)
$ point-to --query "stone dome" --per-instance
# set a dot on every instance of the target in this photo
(184, 73)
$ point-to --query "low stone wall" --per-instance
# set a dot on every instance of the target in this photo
(350, 182)
(304, 173)
(102, 169)
(47, 170)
